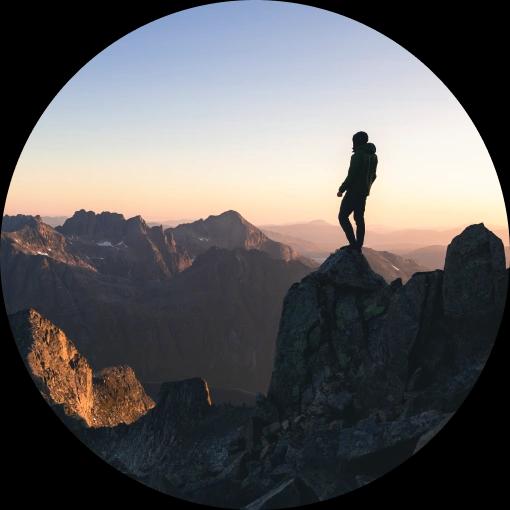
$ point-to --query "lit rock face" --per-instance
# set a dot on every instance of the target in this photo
(65, 378)
(475, 282)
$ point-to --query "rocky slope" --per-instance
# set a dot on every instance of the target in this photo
(220, 318)
(65, 378)
(365, 374)
(29, 237)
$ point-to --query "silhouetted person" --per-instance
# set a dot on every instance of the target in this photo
(361, 175)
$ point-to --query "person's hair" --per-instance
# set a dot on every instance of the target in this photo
(359, 138)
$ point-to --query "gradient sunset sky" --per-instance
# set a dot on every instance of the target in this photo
(251, 106)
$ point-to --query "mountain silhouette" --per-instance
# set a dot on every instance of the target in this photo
(229, 230)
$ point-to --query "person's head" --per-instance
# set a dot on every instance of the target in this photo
(358, 139)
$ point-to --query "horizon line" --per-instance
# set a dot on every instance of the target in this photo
(262, 224)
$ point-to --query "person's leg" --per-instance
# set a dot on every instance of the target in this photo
(359, 218)
(346, 208)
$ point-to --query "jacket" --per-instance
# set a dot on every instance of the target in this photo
(362, 170)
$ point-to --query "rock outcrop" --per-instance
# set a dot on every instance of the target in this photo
(65, 378)
(475, 267)
(349, 341)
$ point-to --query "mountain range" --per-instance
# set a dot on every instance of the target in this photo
(205, 296)
(365, 374)
(111, 282)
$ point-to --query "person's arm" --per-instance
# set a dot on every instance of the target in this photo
(375, 167)
(374, 174)
(345, 185)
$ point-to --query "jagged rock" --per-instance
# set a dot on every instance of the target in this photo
(349, 341)
(321, 330)
(104, 226)
(189, 398)
(126, 248)
(475, 266)
(118, 395)
(65, 378)
(13, 223)
(346, 268)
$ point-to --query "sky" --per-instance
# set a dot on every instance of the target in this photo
(251, 105)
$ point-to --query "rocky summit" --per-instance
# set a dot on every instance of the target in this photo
(365, 374)
(65, 378)
(230, 230)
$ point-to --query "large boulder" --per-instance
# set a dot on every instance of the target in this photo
(322, 331)
(475, 282)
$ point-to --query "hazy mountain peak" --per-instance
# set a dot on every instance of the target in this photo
(227, 230)
(104, 226)
(12, 223)
(229, 214)
(105, 242)
(318, 222)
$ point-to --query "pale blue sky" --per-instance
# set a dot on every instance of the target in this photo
(251, 105)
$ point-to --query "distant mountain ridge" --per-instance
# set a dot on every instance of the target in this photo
(205, 297)
(228, 230)
(328, 237)
(391, 266)
(110, 282)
